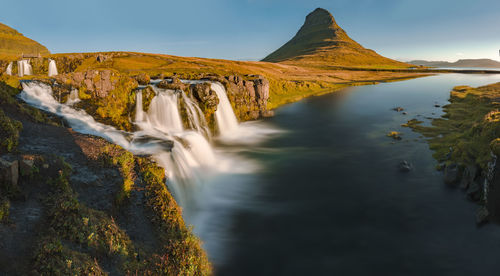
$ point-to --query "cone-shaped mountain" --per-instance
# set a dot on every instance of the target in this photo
(320, 41)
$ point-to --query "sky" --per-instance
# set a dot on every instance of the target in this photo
(251, 29)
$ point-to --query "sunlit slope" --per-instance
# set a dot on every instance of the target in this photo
(13, 43)
(321, 42)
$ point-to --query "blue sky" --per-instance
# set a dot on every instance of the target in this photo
(251, 29)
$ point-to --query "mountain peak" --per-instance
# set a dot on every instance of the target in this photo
(323, 42)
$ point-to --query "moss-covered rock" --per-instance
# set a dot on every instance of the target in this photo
(142, 79)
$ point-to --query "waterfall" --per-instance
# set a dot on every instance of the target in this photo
(164, 113)
(24, 68)
(226, 120)
(8, 71)
(73, 97)
(139, 112)
(189, 165)
(196, 118)
(52, 68)
(20, 69)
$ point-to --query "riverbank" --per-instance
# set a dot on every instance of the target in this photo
(465, 141)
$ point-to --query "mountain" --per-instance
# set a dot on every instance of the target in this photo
(321, 42)
(483, 63)
(13, 43)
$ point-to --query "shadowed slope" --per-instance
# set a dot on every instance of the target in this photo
(321, 42)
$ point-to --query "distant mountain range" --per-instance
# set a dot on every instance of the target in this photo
(13, 43)
(483, 62)
(320, 42)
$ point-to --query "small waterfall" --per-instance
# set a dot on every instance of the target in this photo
(24, 68)
(8, 71)
(52, 68)
(196, 119)
(20, 68)
(139, 112)
(226, 120)
(73, 97)
(164, 113)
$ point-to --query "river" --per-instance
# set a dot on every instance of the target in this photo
(329, 199)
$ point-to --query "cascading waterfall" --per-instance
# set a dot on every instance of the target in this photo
(192, 156)
(164, 113)
(52, 68)
(24, 68)
(224, 115)
(8, 71)
(189, 164)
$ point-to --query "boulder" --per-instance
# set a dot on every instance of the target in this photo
(482, 215)
(173, 85)
(451, 174)
(398, 109)
(205, 95)
(405, 166)
(26, 166)
(9, 172)
(142, 79)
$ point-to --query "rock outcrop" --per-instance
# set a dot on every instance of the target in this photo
(248, 95)
(97, 82)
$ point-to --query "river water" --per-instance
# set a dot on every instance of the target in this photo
(328, 198)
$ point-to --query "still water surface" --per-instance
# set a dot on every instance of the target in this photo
(328, 198)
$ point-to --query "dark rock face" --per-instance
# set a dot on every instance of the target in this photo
(493, 197)
(249, 96)
(451, 174)
(205, 95)
(9, 172)
(98, 82)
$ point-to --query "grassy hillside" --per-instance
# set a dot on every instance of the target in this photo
(288, 83)
(320, 41)
(13, 43)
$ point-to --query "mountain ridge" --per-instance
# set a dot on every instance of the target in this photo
(480, 62)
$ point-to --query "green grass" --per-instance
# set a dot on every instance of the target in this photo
(9, 133)
(469, 129)
(124, 160)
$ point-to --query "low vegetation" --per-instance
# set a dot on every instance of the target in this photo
(469, 129)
